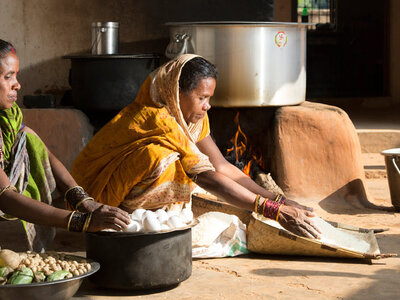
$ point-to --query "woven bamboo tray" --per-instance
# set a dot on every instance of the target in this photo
(267, 239)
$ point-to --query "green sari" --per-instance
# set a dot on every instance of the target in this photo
(24, 158)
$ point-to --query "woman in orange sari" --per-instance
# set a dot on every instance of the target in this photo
(154, 151)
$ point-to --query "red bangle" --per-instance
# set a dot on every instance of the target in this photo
(271, 209)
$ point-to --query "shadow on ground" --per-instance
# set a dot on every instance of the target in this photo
(352, 199)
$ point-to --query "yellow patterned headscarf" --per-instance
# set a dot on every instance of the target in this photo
(165, 91)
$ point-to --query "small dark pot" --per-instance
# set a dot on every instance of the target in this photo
(140, 260)
(108, 82)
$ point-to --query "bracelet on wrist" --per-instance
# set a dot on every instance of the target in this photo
(78, 222)
(271, 209)
(280, 199)
(87, 222)
(257, 204)
(8, 188)
(75, 196)
(279, 210)
(83, 200)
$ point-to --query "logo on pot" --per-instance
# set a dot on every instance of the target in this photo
(281, 39)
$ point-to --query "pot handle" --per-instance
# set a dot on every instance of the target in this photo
(395, 164)
(178, 46)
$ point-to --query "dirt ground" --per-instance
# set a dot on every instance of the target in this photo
(257, 276)
(285, 277)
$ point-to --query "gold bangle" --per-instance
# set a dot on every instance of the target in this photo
(87, 222)
(84, 199)
(263, 205)
(71, 188)
(7, 188)
(69, 219)
(256, 202)
(277, 214)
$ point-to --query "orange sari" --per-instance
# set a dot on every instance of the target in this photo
(146, 156)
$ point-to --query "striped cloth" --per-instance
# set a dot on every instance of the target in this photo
(24, 158)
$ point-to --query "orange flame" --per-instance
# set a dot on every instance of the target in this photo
(239, 142)
(246, 169)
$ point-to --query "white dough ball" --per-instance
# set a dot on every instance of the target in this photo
(149, 213)
(137, 214)
(162, 215)
(175, 222)
(133, 226)
(172, 213)
(151, 223)
(186, 215)
(164, 227)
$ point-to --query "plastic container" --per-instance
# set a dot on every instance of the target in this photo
(392, 161)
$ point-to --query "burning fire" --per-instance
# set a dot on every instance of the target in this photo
(244, 156)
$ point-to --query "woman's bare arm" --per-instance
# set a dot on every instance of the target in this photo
(235, 187)
(30, 210)
(104, 216)
(64, 179)
(222, 166)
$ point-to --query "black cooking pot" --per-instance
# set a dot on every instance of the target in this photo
(108, 82)
(140, 260)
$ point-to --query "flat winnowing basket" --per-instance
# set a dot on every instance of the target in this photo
(267, 239)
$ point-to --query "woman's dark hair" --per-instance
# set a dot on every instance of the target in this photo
(5, 48)
(195, 70)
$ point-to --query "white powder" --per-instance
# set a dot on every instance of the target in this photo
(333, 236)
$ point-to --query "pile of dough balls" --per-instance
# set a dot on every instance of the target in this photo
(143, 220)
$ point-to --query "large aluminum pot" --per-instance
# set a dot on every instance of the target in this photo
(134, 261)
(259, 64)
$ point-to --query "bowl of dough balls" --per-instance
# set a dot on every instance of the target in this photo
(154, 251)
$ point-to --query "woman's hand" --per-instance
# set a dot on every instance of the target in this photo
(292, 203)
(298, 221)
(108, 217)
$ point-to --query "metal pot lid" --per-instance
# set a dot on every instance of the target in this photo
(238, 23)
(106, 24)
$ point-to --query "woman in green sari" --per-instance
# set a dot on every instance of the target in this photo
(29, 173)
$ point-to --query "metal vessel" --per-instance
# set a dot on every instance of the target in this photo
(392, 162)
(135, 261)
(108, 82)
(53, 290)
(105, 38)
(259, 64)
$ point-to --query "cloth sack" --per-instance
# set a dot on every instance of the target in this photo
(218, 235)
